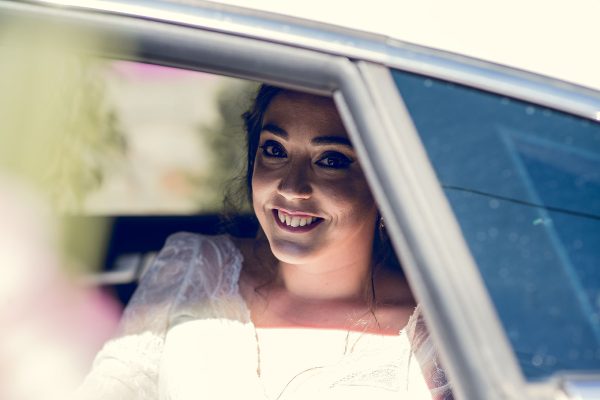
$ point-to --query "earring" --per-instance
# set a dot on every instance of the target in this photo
(381, 224)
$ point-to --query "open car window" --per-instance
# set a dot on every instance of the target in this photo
(524, 184)
(182, 136)
(178, 149)
(127, 152)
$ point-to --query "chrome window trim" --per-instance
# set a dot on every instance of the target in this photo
(584, 387)
(243, 22)
(185, 47)
(430, 244)
(498, 79)
(441, 268)
(464, 70)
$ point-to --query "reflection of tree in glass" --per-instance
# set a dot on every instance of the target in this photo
(56, 128)
(58, 134)
(225, 141)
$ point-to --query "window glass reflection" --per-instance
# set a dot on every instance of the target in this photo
(524, 184)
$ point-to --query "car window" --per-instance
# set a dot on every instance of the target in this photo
(524, 184)
(123, 152)
(182, 131)
(114, 136)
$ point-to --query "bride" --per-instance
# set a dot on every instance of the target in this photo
(311, 308)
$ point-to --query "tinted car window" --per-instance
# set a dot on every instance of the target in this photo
(524, 184)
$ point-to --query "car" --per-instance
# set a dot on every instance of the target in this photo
(487, 175)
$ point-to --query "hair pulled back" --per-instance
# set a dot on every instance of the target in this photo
(253, 121)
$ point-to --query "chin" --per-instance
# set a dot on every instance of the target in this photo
(292, 252)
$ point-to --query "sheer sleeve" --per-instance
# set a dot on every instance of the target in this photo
(427, 357)
(188, 272)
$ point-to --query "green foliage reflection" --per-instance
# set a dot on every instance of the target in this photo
(58, 133)
(56, 128)
(227, 143)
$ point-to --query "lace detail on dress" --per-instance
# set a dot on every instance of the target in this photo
(384, 376)
(191, 291)
(125, 368)
(192, 277)
(427, 357)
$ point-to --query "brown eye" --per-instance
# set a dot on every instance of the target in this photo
(334, 160)
(273, 149)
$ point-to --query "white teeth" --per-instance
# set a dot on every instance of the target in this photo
(295, 221)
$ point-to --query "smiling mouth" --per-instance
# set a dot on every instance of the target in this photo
(296, 222)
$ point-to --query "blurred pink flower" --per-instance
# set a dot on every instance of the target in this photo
(51, 328)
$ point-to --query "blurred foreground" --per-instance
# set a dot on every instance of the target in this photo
(80, 136)
(51, 118)
(51, 328)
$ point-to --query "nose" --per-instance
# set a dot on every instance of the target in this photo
(295, 182)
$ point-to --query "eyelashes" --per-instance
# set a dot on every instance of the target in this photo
(330, 159)
(335, 160)
(273, 149)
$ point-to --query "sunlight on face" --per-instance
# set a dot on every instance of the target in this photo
(309, 192)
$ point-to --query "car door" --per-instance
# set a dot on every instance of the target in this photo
(518, 146)
(446, 143)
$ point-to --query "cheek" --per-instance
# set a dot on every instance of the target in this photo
(260, 183)
(263, 189)
(350, 197)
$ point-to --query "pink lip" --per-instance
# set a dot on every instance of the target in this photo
(298, 229)
(295, 213)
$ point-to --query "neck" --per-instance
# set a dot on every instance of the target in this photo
(345, 279)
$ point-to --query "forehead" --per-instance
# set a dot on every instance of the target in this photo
(306, 113)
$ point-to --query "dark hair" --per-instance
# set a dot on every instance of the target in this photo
(253, 121)
(237, 202)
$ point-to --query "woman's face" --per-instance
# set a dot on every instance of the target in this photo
(309, 192)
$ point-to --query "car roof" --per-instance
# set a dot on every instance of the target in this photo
(551, 38)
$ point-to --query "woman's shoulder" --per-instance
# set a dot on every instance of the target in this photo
(188, 246)
(198, 240)
(188, 257)
(190, 269)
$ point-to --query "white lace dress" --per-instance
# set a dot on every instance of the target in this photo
(187, 334)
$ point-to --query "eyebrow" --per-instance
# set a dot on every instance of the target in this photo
(319, 140)
(275, 130)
